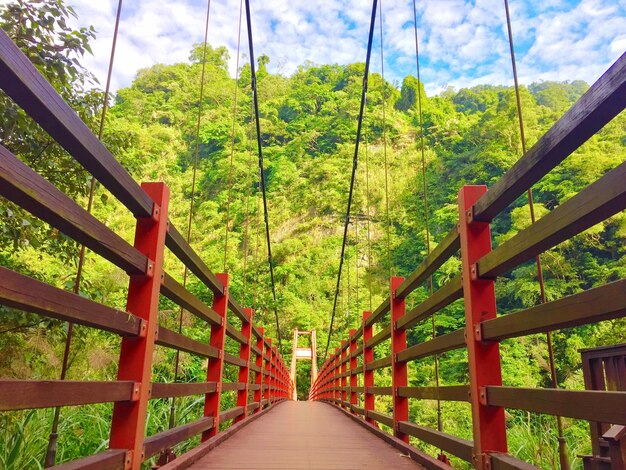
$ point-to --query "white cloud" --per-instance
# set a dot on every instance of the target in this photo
(462, 42)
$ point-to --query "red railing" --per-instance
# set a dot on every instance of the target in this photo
(483, 329)
(261, 368)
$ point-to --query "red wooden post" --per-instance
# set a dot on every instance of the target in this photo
(215, 368)
(274, 382)
(337, 381)
(344, 369)
(398, 370)
(480, 304)
(354, 398)
(368, 375)
(128, 424)
(258, 377)
(268, 370)
(244, 371)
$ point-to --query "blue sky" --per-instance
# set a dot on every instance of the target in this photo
(462, 42)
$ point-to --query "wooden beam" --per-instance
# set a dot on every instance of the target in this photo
(444, 393)
(175, 291)
(166, 439)
(168, 390)
(438, 345)
(29, 394)
(462, 448)
(174, 340)
(26, 188)
(602, 102)
(28, 294)
(592, 205)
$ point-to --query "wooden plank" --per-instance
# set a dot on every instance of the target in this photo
(380, 390)
(252, 407)
(592, 205)
(256, 332)
(591, 405)
(462, 448)
(441, 298)
(168, 390)
(235, 334)
(442, 252)
(382, 309)
(379, 364)
(175, 291)
(440, 344)
(26, 188)
(28, 294)
(166, 439)
(234, 360)
(183, 251)
(232, 386)
(594, 305)
(383, 418)
(231, 413)
(602, 102)
(508, 462)
(254, 368)
(174, 340)
(29, 394)
(29, 89)
(379, 337)
(110, 459)
(444, 393)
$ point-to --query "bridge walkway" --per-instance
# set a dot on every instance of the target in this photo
(299, 435)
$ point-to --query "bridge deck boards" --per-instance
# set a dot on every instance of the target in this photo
(304, 435)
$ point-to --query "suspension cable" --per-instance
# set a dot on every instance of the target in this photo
(368, 215)
(425, 200)
(255, 100)
(354, 167)
(387, 213)
(52, 439)
(563, 458)
(181, 315)
(232, 146)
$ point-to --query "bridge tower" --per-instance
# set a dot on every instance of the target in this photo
(309, 354)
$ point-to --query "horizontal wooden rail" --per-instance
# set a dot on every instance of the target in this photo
(231, 413)
(110, 459)
(175, 291)
(602, 102)
(377, 314)
(379, 337)
(500, 461)
(442, 252)
(592, 405)
(380, 417)
(174, 340)
(462, 448)
(25, 187)
(451, 291)
(592, 205)
(601, 303)
(438, 345)
(28, 294)
(379, 363)
(168, 439)
(28, 394)
(232, 386)
(380, 390)
(29, 89)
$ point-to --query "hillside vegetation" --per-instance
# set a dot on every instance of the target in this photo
(308, 127)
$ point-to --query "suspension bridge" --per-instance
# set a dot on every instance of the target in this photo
(341, 424)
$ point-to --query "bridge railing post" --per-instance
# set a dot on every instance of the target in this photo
(480, 305)
(258, 376)
(344, 370)
(268, 370)
(128, 424)
(215, 368)
(368, 375)
(398, 369)
(354, 398)
(244, 371)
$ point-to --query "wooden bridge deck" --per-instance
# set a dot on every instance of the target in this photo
(304, 435)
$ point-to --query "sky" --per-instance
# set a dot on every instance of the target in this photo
(462, 42)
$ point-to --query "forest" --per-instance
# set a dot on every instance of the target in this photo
(308, 125)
